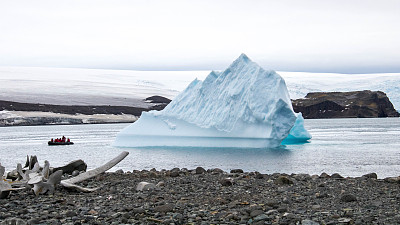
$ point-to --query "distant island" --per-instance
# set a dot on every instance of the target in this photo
(315, 105)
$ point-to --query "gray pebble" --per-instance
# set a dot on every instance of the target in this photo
(70, 214)
(261, 217)
(200, 170)
(309, 222)
(336, 176)
(256, 213)
(348, 198)
(371, 175)
(283, 180)
(164, 208)
(237, 171)
(226, 182)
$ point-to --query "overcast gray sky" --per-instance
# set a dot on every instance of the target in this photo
(313, 36)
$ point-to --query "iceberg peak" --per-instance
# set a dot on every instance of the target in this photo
(241, 61)
(243, 57)
(243, 106)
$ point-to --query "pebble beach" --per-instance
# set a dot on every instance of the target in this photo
(212, 196)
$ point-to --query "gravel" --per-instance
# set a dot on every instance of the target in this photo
(212, 196)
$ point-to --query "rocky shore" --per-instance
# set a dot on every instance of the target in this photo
(199, 196)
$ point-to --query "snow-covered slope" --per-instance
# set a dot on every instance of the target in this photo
(18, 118)
(124, 87)
(67, 86)
(243, 106)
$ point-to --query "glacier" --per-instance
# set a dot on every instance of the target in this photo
(243, 106)
(129, 87)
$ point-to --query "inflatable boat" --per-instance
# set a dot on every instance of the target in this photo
(60, 143)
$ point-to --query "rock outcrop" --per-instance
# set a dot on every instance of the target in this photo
(355, 104)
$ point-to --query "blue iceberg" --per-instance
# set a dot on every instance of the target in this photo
(298, 134)
(243, 106)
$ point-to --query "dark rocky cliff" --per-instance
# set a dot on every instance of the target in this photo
(74, 114)
(355, 104)
(157, 103)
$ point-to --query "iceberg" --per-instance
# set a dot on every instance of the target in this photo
(298, 134)
(243, 106)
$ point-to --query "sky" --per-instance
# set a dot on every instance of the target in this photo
(344, 36)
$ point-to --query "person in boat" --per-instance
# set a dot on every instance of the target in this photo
(63, 139)
(52, 140)
(68, 140)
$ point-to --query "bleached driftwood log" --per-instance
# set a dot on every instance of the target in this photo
(46, 170)
(5, 186)
(40, 180)
(41, 185)
(5, 189)
(71, 183)
(43, 182)
(2, 171)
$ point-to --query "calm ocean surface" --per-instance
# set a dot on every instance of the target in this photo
(351, 147)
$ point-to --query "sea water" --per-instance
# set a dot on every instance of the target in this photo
(351, 147)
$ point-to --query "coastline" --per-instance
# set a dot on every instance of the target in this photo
(36, 118)
(30, 114)
(213, 196)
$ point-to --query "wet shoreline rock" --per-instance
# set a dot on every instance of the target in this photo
(197, 196)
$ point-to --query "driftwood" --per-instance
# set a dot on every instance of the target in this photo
(2, 171)
(5, 186)
(79, 165)
(41, 181)
(42, 186)
(5, 189)
(30, 162)
(71, 183)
